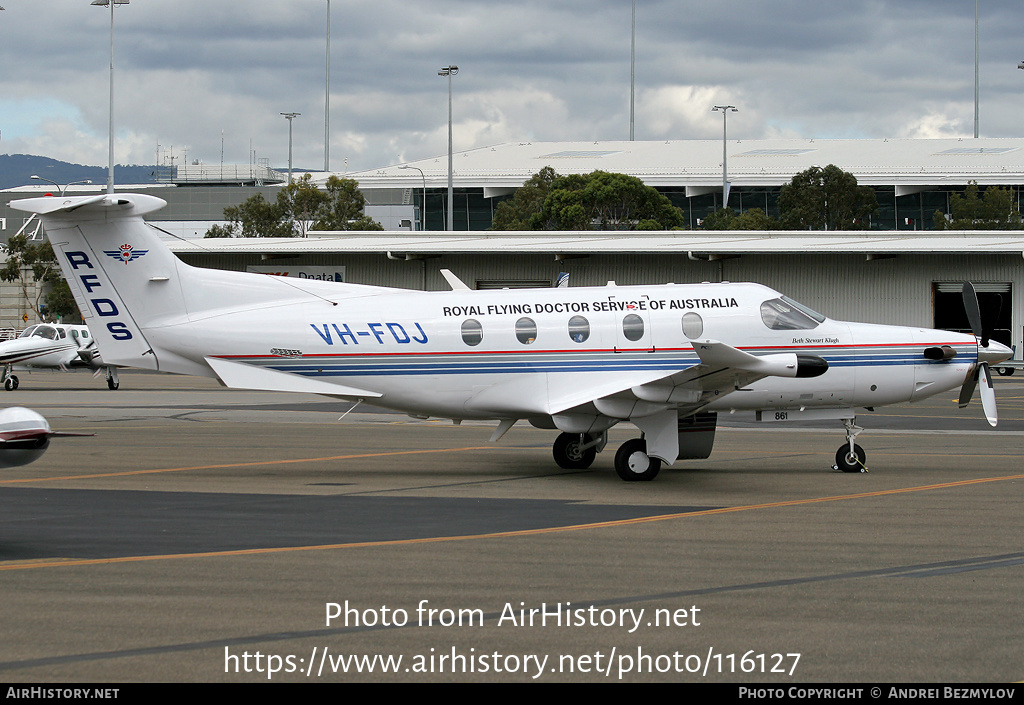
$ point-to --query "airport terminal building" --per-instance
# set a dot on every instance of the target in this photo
(901, 271)
(911, 178)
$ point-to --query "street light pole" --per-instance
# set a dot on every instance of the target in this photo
(632, 72)
(62, 188)
(289, 117)
(725, 110)
(449, 71)
(423, 210)
(110, 136)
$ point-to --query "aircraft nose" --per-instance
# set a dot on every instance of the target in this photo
(995, 352)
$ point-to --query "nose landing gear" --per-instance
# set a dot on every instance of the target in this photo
(10, 381)
(851, 457)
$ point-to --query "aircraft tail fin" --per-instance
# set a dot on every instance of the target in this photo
(110, 258)
(132, 290)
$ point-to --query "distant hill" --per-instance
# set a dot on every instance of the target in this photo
(15, 170)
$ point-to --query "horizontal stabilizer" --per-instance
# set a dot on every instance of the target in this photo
(240, 375)
(129, 204)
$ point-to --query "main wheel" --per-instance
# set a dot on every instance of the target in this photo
(1004, 371)
(632, 462)
(11, 383)
(851, 462)
(569, 452)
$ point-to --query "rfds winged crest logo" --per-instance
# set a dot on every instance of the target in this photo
(126, 253)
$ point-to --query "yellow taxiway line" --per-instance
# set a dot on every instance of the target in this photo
(503, 534)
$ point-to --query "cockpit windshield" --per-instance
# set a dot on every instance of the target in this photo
(39, 331)
(786, 314)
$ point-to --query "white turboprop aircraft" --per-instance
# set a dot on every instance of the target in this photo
(51, 346)
(666, 358)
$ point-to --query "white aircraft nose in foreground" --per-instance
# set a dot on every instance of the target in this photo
(665, 358)
(24, 436)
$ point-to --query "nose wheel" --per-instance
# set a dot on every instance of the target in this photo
(851, 457)
(10, 381)
(849, 460)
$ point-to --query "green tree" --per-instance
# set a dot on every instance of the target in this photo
(727, 219)
(604, 201)
(300, 207)
(343, 209)
(528, 200)
(826, 199)
(995, 210)
(52, 290)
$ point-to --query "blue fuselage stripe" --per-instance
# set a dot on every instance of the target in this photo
(505, 363)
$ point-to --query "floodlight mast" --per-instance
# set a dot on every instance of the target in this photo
(110, 136)
(327, 96)
(725, 110)
(289, 117)
(449, 71)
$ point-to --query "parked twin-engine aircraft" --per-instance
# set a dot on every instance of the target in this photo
(666, 358)
(51, 346)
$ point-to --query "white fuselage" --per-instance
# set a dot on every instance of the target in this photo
(522, 353)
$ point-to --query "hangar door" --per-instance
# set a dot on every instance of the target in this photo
(993, 298)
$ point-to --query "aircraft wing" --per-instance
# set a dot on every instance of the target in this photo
(722, 370)
(241, 376)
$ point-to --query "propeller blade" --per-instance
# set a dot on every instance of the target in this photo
(967, 391)
(971, 307)
(988, 394)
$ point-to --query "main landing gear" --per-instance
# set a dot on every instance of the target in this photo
(576, 451)
(632, 462)
(851, 457)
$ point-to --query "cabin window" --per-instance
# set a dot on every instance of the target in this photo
(472, 332)
(61, 333)
(526, 331)
(786, 314)
(693, 325)
(633, 327)
(579, 329)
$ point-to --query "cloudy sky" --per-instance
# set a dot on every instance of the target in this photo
(190, 71)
